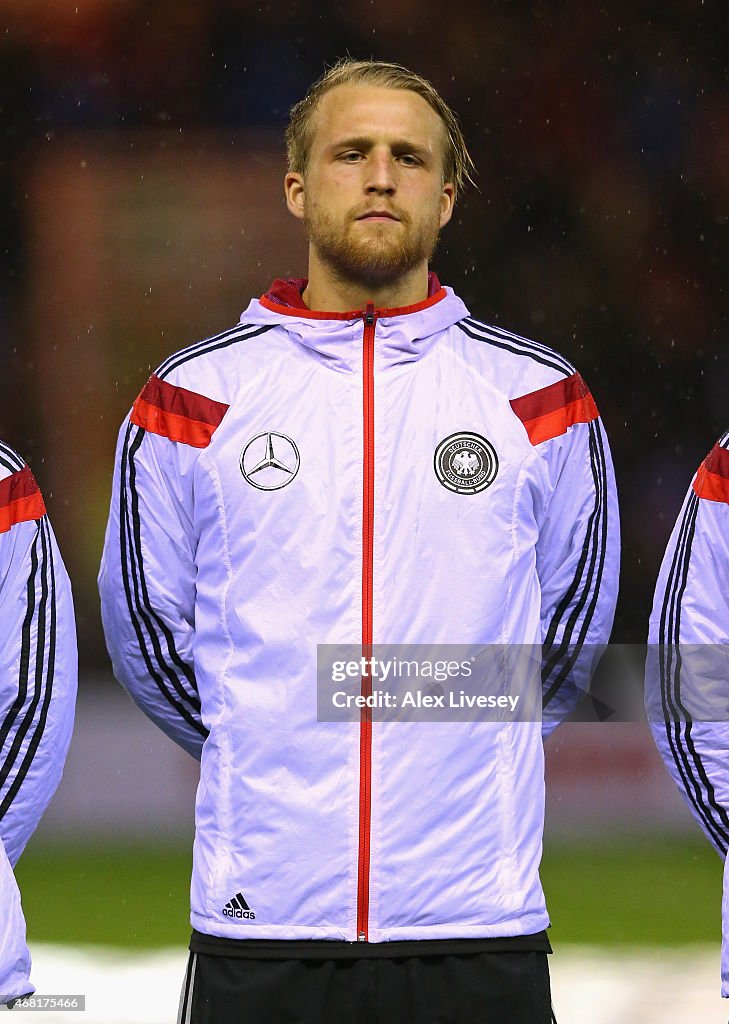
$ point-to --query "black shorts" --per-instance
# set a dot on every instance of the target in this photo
(473, 988)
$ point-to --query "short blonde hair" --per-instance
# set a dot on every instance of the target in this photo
(458, 167)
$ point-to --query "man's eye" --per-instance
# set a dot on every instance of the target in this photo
(409, 159)
(351, 157)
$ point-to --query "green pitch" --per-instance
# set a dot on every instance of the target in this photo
(648, 892)
(645, 893)
(119, 896)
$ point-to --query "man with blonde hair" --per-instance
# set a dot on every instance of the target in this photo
(360, 462)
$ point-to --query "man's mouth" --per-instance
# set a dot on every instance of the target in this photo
(378, 215)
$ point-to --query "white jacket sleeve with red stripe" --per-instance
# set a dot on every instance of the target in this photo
(147, 580)
(578, 550)
(687, 669)
(38, 677)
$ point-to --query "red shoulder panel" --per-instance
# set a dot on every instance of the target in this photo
(712, 479)
(20, 499)
(547, 413)
(176, 413)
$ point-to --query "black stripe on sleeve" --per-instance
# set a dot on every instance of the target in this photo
(516, 345)
(32, 660)
(47, 624)
(198, 347)
(697, 785)
(25, 650)
(137, 537)
(202, 348)
(148, 626)
(10, 459)
(585, 582)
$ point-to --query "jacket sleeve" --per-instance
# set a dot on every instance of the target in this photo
(148, 573)
(687, 667)
(578, 549)
(14, 952)
(38, 656)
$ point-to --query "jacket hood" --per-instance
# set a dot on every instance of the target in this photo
(402, 334)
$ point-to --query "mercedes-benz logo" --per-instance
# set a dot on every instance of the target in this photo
(269, 461)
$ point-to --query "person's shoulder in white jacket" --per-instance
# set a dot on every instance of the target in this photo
(687, 672)
(38, 678)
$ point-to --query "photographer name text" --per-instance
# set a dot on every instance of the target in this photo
(418, 699)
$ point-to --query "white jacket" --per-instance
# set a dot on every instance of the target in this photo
(38, 674)
(293, 482)
(687, 670)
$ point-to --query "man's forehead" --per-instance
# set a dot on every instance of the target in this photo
(354, 108)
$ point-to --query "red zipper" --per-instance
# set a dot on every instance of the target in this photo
(365, 728)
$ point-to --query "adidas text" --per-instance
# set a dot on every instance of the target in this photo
(235, 912)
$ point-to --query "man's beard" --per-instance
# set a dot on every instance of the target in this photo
(374, 259)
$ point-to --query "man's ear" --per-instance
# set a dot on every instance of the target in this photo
(294, 190)
(447, 201)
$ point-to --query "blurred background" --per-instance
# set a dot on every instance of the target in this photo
(141, 206)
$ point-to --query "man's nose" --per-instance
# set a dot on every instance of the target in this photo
(381, 176)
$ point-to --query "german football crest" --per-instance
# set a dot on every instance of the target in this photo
(466, 463)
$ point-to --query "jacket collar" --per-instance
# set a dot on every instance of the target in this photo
(285, 295)
(401, 334)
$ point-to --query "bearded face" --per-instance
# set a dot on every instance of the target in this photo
(369, 250)
(372, 195)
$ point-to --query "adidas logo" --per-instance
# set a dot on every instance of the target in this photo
(237, 907)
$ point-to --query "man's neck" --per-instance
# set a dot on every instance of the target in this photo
(328, 292)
